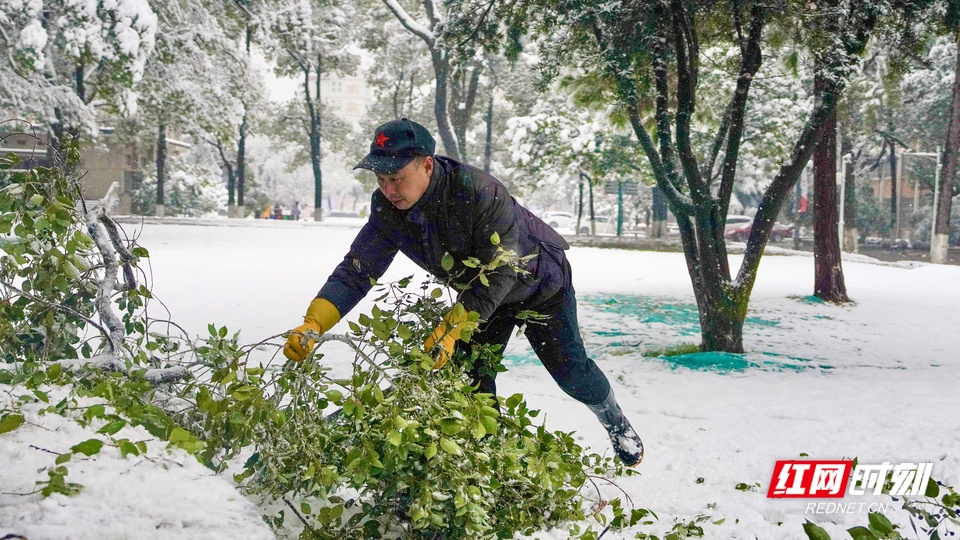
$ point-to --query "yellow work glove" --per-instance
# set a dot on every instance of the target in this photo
(445, 336)
(320, 317)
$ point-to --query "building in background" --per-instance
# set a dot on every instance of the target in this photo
(109, 167)
(348, 96)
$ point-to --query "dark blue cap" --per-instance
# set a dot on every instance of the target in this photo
(395, 144)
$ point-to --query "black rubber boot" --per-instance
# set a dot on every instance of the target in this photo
(626, 442)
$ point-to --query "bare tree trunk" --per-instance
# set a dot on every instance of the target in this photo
(579, 206)
(658, 227)
(941, 232)
(242, 146)
(313, 111)
(231, 181)
(441, 68)
(593, 223)
(488, 146)
(161, 166)
(231, 175)
(828, 270)
(238, 212)
(894, 182)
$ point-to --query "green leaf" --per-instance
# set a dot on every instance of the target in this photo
(814, 532)
(10, 422)
(450, 425)
(54, 371)
(933, 490)
(478, 431)
(514, 400)
(394, 438)
(112, 427)
(430, 451)
(495, 238)
(63, 458)
(880, 523)
(180, 435)
(489, 424)
(446, 262)
(243, 393)
(127, 448)
(88, 447)
(335, 396)
(861, 533)
(483, 280)
(449, 446)
(436, 293)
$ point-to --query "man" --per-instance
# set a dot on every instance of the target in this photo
(428, 206)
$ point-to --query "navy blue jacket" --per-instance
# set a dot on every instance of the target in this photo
(458, 213)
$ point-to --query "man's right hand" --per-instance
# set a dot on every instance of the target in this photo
(320, 317)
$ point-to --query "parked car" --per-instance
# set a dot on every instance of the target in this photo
(560, 220)
(742, 232)
(736, 221)
(604, 225)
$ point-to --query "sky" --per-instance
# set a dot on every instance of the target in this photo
(875, 380)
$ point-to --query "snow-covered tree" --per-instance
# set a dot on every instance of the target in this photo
(646, 58)
(62, 61)
(456, 79)
(563, 145)
(308, 40)
(196, 81)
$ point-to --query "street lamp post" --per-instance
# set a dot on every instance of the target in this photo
(843, 192)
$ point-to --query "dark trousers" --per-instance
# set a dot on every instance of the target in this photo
(555, 339)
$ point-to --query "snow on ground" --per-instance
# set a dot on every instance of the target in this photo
(158, 495)
(876, 380)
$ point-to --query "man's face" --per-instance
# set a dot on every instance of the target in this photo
(405, 187)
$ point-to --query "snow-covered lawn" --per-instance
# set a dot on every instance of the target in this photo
(877, 380)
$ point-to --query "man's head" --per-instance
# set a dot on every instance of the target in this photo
(401, 155)
(405, 187)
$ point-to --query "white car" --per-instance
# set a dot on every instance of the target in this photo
(604, 225)
(560, 220)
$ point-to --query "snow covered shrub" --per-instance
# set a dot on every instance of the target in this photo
(193, 187)
(395, 448)
(47, 289)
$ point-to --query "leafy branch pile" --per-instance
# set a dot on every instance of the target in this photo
(393, 448)
(417, 450)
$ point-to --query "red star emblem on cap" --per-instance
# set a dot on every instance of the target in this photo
(381, 139)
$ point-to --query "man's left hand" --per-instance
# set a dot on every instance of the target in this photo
(445, 336)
